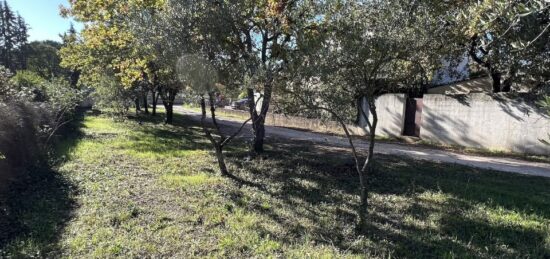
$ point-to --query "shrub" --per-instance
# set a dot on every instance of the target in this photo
(33, 110)
(6, 86)
(110, 96)
(20, 139)
(29, 85)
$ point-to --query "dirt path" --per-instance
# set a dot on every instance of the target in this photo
(494, 163)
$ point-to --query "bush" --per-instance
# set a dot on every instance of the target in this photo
(6, 86)
(29, 85)
(20, 139)
(110, 96)
(33, 110)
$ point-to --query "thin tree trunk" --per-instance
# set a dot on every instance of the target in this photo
(145, 104)
(217, 146)
(155, 102)
(258, 124)
(169, 113)
(473, 52)
(136, 102)
(368, 167)
(221, 161)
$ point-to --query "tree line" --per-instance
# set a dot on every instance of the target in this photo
(13, 38)
(309, 57)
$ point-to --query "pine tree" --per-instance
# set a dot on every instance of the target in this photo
(21, 37)
(68, 38)
(2, 35)
(8, 30)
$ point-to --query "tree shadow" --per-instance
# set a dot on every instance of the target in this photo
(36, 209)
(318, 185)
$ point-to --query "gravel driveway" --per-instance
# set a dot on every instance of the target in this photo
(510, 165)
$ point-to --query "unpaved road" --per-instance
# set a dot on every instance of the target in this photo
(494, 163)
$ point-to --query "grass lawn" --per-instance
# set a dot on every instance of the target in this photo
(127, 190)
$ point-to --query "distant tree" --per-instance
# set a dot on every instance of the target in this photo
(8, 34)
(21, 38)
(71, 37)
(109, 43)
(13, 38)
(162, 41)
(43, 58)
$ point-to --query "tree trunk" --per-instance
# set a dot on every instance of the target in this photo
(155, 102)
(136, 102)
(495, 76)
(221, 160)
(168, 99)
(258, 122)
(218, 146)
(169, 113)
(145, 104)
(74, 77)
(358, 104)
(367, 170)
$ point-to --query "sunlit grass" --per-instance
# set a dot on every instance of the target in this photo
(152, 190)
(190, 180)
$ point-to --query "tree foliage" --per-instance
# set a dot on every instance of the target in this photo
(508, 40)
(13, 38)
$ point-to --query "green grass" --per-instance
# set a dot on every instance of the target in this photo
(152, 190)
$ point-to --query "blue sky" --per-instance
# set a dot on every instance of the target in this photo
(43, 18)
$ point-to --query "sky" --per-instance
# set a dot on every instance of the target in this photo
(43, 18)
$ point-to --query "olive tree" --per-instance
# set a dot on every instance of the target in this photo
(201, 76)
(508, 40)
(256, 36)
(364, 49)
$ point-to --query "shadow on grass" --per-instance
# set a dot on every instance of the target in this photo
(36, 209)
(315, 191)
(311, 181)
(475, 213)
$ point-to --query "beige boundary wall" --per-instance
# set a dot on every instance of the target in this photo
(315, 125)
(496, 122)
(391, 119)
(390, 109)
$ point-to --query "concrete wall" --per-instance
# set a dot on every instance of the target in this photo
(180, 98)
(486, 121)
(316, 125)
(391, 115)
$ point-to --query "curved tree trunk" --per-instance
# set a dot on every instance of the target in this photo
(218, 146)
(368, 167)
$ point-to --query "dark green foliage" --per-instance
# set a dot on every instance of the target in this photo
(13, 38)
(42, 58)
